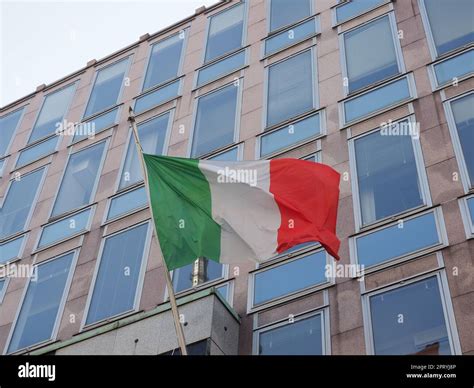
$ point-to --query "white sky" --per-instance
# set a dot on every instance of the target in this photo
(41, 41)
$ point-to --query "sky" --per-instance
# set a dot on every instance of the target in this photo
(43, 41)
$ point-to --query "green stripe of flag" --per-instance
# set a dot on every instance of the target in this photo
(182, 208)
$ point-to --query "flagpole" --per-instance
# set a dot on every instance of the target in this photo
(174, 306)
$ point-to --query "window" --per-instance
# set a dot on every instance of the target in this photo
(232, 154)
(18, 203)
(80, 178)
(410, 319)
(107, 87)
(377, 100)
(225, 32)
(157, 96)
(51, 115)
(370, 53)
(8, 125)
(200, 272)
(90, 128)
(284, 12)
(153, 138)
(127, 202)
(305, 336)
(11, 250)
(165, 60)
(449, 25)
(290, 88)
(401, 239)
(37, 151)
(289, 277)
(216, 120)
(3, 288)
(467, 213)
(290, 135)
(2, 164)
(453, 69)
(119, 270)
(388, 180)
(461, 124)
(221, 68)
(349, 9)
(42, 304)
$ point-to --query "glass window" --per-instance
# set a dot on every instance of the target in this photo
(3, 286)
(454, 68)
(11, 250)
(153, 139)
(289, 135)
(463, 114)
(2, 164)
(410, 320)
(290, 88)
(157, 97)
(387, 175)
(452, 23)
(401, 239)
(229, 155)
(225, 32)
(37, 151)
(107, 87)
(8, 125)
(302, 337)
(286, 12)
(127, 202)
(376, 100)
(200, 272)
(225, 292)
(290, 37)
(116, 283)
(41, 305)
(67, 227)
(18, 203)
(79, 180)
(221, 68)
(349, 9)
(370, 54)
(470, 205)
(52, 113)
(289, 277)
(164, 61)
(90, 128)
(215, 120)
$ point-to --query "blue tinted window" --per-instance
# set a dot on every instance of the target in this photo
(290, 134)
(221, 68)
(387, 175)
(37, 151)
(125, 203)
(284, 12)
(65, 228)
(2, 163)
(353, 8)
(230, 155)
(116, 284)
(290, 277)
(3, 284)
(52, 113)
(398, 240)
(107, 87)
(290, 88)
(41, 305)
(199, 272)
(8, 125)
(157, 97)
(456, 67)
(470, 205)
(290, 37)
(92, 127)
(11, 249)
(302, 337)
(225, 32)
(18, 202)
(164, 61)
(215, 120)
(423, 330)
(224, 292)
(377, 99)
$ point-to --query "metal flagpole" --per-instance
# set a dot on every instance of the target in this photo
(174, 306)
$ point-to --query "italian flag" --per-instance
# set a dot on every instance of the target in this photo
(236, 211)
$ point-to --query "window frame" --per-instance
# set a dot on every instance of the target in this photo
(445, 300)
(323, 311)
(334, 21)
(20, 251)
(468, 186)
(422, 179)
(208, 26)
(17, 166)
(468, 222)
(20, 119)
(125, 191)
(268, 12)
(314, 80)
(3, 291)
(33, 203)
(61, 307)
(440, 228)
(237, 121)
(52, 217)
(398, 55)
(127, 58)
(435, 85)
(140, 281)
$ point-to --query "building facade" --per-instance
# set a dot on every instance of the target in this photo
(380, 90)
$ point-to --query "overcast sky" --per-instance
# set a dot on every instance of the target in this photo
(41, 42)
